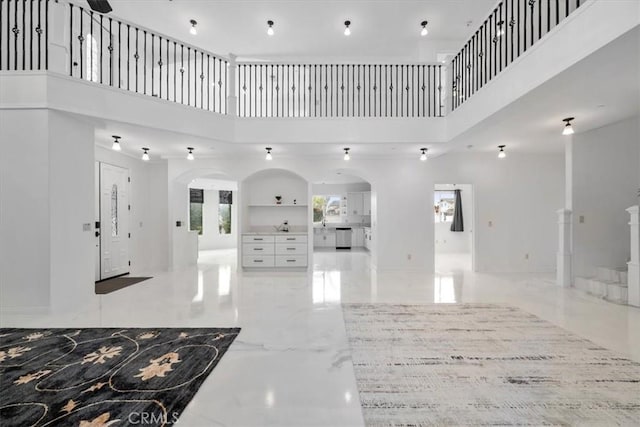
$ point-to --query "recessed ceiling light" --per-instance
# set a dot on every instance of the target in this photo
(116, 143)
(424, 30)
(190, 153)
(501, 153)
(568, 129)
(347, 30)
(145, 154)
(270, 27)
(347, 156)
(193, 30)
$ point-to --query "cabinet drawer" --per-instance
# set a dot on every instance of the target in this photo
(291, 248)
(258, 261)
(291, 261)
(257, 249)
(291, 239)
(257, 239)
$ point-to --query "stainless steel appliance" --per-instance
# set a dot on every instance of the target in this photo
(343, 237)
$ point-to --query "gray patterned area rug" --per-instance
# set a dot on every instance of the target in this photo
(101, 377)
(477, 364)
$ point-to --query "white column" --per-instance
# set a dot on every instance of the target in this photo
(634, 264)
(564, 256)
(232, 99)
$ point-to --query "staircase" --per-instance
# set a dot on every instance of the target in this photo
(609, 284)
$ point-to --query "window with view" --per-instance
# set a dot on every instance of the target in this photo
(224, 211)
(326, 208)
(196, 202)
(444, 205)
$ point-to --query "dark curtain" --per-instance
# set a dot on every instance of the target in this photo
(225, 197)
(458, 222)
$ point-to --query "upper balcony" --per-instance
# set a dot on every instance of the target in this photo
(61, 43)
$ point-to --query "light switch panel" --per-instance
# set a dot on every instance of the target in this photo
(581, 219)
(86, 226)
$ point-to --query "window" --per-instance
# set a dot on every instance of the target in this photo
(326, 208)
(114, 210)
(224, 211)
(92, 58)
(196, 201)
(444, 205)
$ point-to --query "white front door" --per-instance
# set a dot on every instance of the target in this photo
(114, 221)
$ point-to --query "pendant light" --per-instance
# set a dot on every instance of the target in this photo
(116, 143)
(347, 30)
(190, 153)
(268, 156)
(270, 27)
(501, 153)
(145, 154)
(423, 155)
(424, 31)
(346, 154)
(568, 129)
(193, 30)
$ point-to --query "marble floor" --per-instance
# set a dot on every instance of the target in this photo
(291, 364)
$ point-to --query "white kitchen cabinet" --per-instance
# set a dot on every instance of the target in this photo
(366, 204)
(367, 238)
(358, 237)
(275, 250)
(355, 203)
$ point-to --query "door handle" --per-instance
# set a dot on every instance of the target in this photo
(97, 234)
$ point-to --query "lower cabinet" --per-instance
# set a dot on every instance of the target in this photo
(278, 250)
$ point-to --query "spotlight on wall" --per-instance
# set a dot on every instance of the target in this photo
(568, 129)
(347, 30)
(270, 27)
(500, 31)
(145, 154)
(193, 30)
(423, 154)
(116, 143)
(269, 156)
(424, 30)
(501, 153)
(190, 153)
(346, 154)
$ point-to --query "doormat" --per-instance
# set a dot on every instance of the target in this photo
(117, 283)
(481, 364)
(104, 376)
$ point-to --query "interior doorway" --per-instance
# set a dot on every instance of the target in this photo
(453, 206)
(112, 221)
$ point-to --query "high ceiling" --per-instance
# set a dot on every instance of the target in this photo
(306, 29)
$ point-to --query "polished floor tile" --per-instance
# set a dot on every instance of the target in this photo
(291, 364)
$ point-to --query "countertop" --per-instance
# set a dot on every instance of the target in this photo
(269, 233)
(334, 226)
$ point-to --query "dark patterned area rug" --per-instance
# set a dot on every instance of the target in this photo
(479, 364)
(100, 377)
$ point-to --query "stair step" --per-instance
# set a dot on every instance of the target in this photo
(615, 275)
(617, 293)
(608, 290)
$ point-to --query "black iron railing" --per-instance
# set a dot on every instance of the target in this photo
(339, 90)
(512, 28)
(24, 35)
(109, 51)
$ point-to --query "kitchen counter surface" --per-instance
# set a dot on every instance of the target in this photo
(334, 226)
(269, 233)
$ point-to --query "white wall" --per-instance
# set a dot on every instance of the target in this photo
(447, 241)
(211, 237)
(606, 173)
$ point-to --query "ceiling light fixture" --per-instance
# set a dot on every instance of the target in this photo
(190, 153)
(500, 31)
(116, 143)
(145, 154)
(501, 153)
(424, 31)
(423, 155)
(270, 28)
(193, 30)
(347, 30)
(269, 156)
(568, 129)
(346, 154)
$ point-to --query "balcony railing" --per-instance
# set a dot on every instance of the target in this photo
(339, 90)
(512, 28)
(24, 35)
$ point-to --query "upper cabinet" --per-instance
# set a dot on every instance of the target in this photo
(359, 203)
